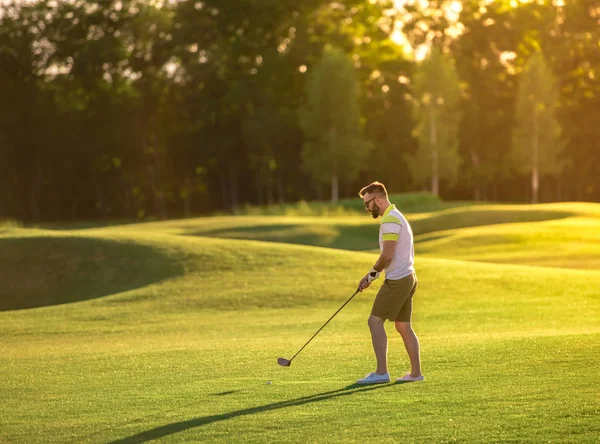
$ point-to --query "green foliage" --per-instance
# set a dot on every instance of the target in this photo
(334, 148)
(199, 101)
(406, 201)
(9, 223)
(437, 94)
(537, 139)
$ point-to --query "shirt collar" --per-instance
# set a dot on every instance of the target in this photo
(388, 209)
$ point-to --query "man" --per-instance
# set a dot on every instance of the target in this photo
(394, 299)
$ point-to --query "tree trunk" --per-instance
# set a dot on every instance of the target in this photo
(150, 153)
(535, 173)
(187, 201)
(335, 194)
(73, 209)
(435, 185)
(319, 192)
(233, 187)
(157, 194)
(475, 160)
(224, 191)
(128, 203)
(270, 190)
(259, 193)
(34, 195)
(280, 188)
(19, 208)
(99, 207)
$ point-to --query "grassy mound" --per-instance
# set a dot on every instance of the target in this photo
(37, 271)
(476, 216)
(569, 241)
(554, 235)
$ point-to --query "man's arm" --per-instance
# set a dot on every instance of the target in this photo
(390, 227)
(386, 256)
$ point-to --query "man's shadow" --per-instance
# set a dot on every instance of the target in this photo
(176, 427)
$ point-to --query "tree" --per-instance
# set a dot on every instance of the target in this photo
(572, 52)
(334, 149)
(437, 93)
(484, 54)
(537, 143)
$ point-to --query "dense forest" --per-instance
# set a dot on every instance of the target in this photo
(153, 109)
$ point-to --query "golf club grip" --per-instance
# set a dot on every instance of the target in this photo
(332, 316)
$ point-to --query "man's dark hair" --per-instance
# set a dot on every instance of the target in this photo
(373, 187)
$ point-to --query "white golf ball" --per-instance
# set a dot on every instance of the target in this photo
(269, 382)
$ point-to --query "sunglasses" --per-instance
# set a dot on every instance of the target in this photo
(371, 200)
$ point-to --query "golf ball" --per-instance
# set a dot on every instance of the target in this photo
(269, 383)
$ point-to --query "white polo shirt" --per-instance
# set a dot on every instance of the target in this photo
(394, 226)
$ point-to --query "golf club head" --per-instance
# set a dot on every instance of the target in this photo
(283, 362)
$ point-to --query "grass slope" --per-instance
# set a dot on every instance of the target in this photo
(183, 352)
(553, 235)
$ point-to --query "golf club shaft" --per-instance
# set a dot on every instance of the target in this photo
(339, 309)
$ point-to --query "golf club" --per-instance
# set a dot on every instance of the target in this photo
(285, 362)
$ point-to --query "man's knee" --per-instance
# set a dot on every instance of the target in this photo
(374, 321)
(403, 327)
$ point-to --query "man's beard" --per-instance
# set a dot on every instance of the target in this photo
(375, 211)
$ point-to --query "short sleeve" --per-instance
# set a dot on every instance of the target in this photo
(390, 228)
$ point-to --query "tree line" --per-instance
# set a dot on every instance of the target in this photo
(131, 109)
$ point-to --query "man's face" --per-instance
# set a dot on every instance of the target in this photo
(370, 201)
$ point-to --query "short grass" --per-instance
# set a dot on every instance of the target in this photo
(167, 332)
(562, 235)
(569, 242)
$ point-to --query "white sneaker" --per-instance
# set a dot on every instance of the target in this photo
(374, 378)
(408, 378)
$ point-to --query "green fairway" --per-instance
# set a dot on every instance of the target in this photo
(170, 331)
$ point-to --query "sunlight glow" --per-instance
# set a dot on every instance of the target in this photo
(453, 11)
(399, 38)
(56, 69)
(507, 56)
(171, 68)
(375, 75)
(421, 52)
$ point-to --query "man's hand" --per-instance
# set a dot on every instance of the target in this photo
(366, 281)
(363, 284)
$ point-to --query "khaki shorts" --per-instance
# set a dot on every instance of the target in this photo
(394, 299)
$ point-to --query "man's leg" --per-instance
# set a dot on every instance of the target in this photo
(380, 344)
(411, 342)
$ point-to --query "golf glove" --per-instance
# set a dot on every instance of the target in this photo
(372, 275)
